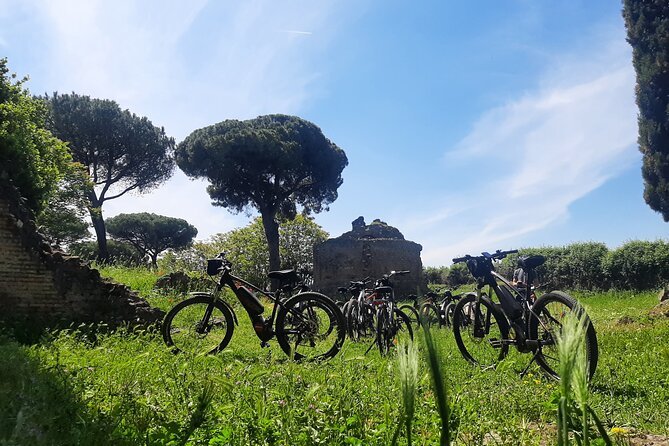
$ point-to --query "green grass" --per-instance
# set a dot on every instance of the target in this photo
(87, 387)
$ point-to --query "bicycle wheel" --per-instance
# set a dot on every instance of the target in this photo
(430, 315)
(310, 327)
(479, 332)
(198, 325)
(391, 331)
(352, 317)
(548, 314)
(413, 314)
(447, 310)
(366, 320)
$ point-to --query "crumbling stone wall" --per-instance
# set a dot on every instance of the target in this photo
(43, 286)
(368, 251)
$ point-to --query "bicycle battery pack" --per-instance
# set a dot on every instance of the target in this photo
(249, 301)
(511, 306)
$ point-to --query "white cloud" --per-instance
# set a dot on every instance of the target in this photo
(153, 58)
(185, 65)
(531, 158)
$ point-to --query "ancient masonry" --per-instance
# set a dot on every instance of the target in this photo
(368, 251)
(42, 286)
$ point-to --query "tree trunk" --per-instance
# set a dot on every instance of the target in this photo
(98, 222)
(272, 234)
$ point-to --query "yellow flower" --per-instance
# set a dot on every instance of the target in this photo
(618, 431)
(537, 381)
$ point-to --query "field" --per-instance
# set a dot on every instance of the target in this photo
(85, 386)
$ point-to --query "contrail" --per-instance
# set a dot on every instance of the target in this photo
(291, 31)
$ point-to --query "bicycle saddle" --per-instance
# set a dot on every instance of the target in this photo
(531, 262)
(286, 275)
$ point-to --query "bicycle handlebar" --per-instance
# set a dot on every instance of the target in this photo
(497, 255)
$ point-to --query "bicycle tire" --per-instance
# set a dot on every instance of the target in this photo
(447, 310)
(310, 327)
(366, 320)
(413, 314)
(430, 315)
(185, 330)
(351, 319)
(479, 339)
(546, 316)
(391, 331)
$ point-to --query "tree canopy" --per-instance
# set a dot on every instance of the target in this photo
(30, 156)
(272, 163)
(64, 217)
(647, 23)
(151, 234)
(121, 151)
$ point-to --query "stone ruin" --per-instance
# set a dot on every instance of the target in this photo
(42, 286)
(368, 251)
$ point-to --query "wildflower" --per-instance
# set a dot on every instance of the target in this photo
(282, 403)
(618, 431)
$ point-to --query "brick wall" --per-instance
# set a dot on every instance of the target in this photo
(44, 286)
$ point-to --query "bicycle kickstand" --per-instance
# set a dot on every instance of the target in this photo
(370, 346)
(534, 358)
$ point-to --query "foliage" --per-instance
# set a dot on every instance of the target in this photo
(151, 234)
(37, 158)
(118, 252)
(63, 219)
(297, 238)
(638, 265)
(575, 266)
(271, 163)
(247, 249)
(647, 23)
(121, 151)
(458, 275)
(436, 274)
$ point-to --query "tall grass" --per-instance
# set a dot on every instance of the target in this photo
(441, 396)
(573, 406)
(407, 359)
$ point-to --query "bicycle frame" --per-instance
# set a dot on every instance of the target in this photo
(262, 327)
(518, 316)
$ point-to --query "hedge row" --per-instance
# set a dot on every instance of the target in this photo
(636, 265)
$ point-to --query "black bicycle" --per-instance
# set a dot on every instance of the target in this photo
(393, 326)
(484, 329)
(358, 312)
(307, 325)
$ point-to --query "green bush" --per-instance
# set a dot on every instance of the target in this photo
(638, 265)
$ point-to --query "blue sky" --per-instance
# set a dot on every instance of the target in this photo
(469, 126)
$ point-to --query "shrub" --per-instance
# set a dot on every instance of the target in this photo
(638, 265)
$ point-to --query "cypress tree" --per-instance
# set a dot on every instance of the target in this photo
(647, 23)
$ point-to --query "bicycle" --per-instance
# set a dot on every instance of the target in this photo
(393, 326)
(307, 325)
(484, 330)
(358, 313)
